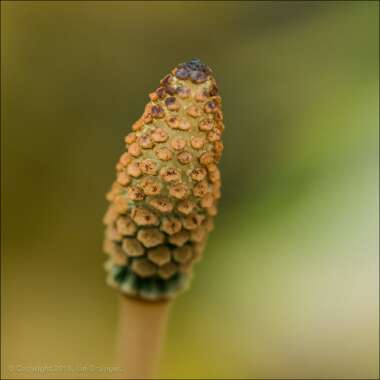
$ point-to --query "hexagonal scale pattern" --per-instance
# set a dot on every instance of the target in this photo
(167, 186)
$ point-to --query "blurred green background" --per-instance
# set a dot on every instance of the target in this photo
(288, 287)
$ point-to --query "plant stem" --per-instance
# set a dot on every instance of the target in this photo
(142, 326)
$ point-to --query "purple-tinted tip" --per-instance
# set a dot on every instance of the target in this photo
(195, 69)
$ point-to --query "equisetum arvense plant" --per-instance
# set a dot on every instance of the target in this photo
(164, 198)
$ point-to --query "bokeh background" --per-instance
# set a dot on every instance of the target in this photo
(288, 287)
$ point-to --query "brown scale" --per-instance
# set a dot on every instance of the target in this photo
(164, 198)
(125, 226)
(179, 191)
(144, 217)
(150, 237)
(160, 255)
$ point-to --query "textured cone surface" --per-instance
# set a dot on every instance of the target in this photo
(167, 186)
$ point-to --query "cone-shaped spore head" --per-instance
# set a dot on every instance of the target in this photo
(167, 187)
